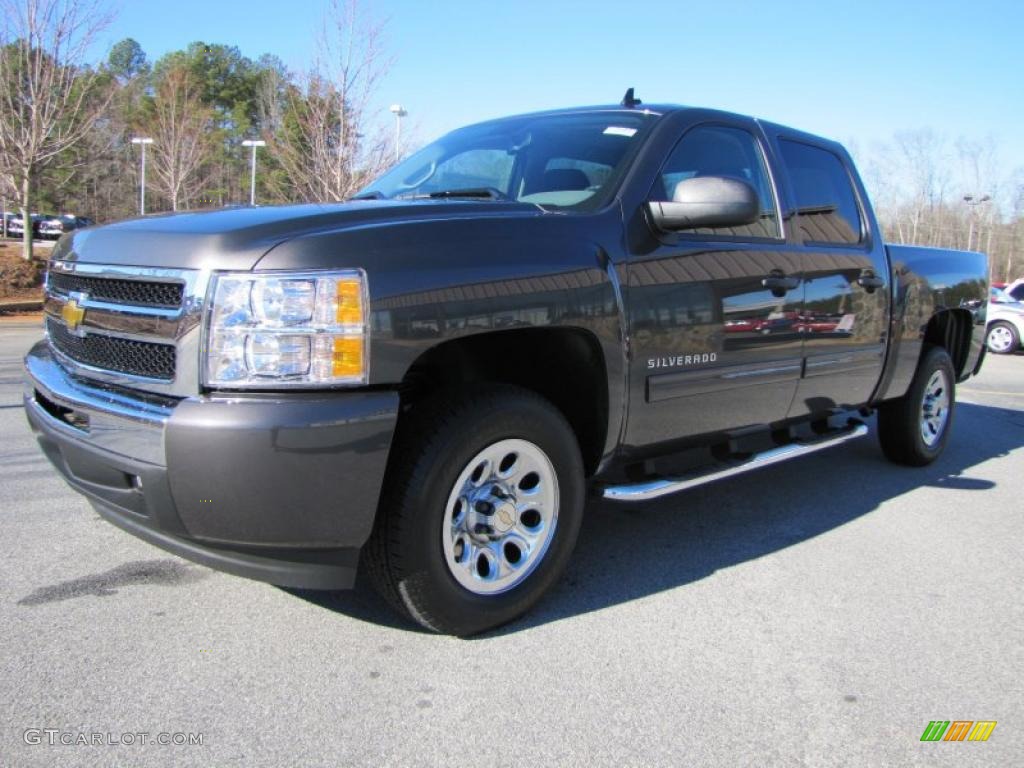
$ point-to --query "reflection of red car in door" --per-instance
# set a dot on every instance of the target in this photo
(742, 325)
(777, 322)
(817, 323)
(773, 323)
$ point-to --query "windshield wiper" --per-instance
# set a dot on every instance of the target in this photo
(486, 193)
(374, 195)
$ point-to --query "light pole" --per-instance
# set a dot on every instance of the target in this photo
(971, 201)
(399, 112)
(142, 188)
(252, 182)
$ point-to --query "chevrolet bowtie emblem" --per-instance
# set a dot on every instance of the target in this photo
(72, 314)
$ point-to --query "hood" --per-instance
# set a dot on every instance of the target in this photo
(1008, 306)
(237, 238)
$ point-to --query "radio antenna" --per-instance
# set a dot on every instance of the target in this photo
(629, 101)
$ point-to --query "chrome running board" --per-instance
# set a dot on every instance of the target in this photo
(652, 489)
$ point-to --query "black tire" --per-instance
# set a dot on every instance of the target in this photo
(1009, 339)
(901, 423)
(405, 556)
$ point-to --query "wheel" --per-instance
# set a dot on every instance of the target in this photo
(914, 429)
(1002, 338)
(480, 512)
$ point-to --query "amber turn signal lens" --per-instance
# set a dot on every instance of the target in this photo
(350, 302)
(347, 359)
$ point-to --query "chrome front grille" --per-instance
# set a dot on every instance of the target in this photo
(136, 293)
(136, 327)
(137, 358)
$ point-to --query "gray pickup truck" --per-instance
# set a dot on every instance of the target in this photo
(426, 382)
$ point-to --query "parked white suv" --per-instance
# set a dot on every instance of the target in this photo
(1015, 290)
(1005, 322)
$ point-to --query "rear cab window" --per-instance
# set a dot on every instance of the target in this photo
(826, 204)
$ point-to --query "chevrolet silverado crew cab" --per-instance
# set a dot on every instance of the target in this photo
(427, 381)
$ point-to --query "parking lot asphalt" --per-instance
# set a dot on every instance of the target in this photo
(819, 613)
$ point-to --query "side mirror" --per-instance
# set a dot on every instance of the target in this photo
(707, 201)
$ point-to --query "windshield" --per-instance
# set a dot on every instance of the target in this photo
(566, 161)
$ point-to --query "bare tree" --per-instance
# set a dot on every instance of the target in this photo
(961, 195)
(924, 161)
(319, 131)
(1014, 232)
(48, 99)
(180, 127)
(980, 176)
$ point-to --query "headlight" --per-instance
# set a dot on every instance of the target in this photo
(286, 329)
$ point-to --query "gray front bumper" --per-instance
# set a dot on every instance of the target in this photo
(281, 488)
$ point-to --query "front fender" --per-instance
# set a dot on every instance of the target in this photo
(435, 281)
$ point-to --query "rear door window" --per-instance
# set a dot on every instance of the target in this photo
(827, 210)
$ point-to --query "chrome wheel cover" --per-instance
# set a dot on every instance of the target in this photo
(500, 517)
(1000, 339)
(935, 409)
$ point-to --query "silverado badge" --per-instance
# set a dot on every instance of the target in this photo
(677, 360)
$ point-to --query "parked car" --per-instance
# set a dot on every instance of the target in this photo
(56, 226)
(37, 222)
(1005, 323)
(16, 225)
(294, 393)
(9, 216)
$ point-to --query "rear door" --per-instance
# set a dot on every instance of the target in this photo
(844, 319)
(714, 338)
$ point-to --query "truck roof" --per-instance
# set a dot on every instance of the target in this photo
(661, 109)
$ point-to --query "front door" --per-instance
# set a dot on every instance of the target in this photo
(714, 312)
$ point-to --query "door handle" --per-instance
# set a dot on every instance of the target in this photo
(779, 284)
(869, 281)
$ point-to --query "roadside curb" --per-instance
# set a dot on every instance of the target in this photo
(33, 305)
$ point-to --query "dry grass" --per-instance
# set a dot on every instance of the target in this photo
(19, 279)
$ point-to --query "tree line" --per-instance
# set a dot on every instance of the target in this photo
(67, 124)
(930, 190)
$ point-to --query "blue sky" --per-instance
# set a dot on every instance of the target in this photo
(848, 70)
